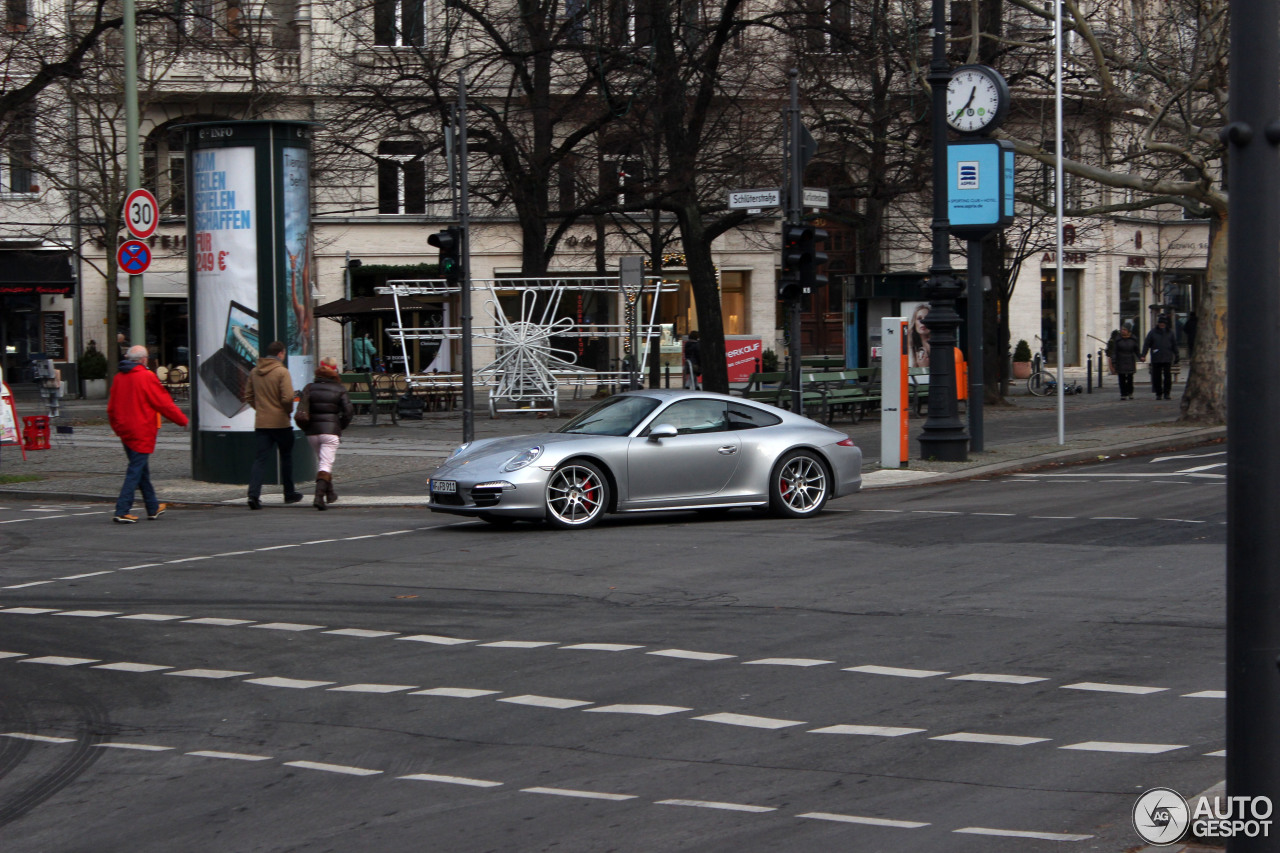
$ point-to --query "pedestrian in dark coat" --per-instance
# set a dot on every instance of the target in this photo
(328, 412)
(1163, 346)
(1124, 361)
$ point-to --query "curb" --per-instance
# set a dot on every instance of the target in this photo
(1178, 441)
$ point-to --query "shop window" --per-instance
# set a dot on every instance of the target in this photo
(733, 303)
(402, 177)
(399, 23)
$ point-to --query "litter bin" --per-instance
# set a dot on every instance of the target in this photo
(35, 432)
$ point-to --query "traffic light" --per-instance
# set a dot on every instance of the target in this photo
(449, 244)
(793, 236)
(800, 260)
(812, 258)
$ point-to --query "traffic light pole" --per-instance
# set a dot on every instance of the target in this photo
(1253, 467)
(795, 190)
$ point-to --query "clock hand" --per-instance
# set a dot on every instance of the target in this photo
(973, 93)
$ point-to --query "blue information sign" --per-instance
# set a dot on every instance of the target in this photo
(979, 186)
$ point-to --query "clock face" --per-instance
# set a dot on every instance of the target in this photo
(975, 99)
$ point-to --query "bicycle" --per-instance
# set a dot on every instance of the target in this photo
(1042, 383)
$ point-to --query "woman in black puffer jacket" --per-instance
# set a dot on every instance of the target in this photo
(330, 410)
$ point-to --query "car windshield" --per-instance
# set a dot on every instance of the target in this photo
(615, 416)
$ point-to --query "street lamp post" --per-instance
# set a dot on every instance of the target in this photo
(943, 437)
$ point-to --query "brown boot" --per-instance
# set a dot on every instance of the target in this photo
(329, 495)
(322, 485)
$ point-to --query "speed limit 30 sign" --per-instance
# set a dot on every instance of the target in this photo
(141, 214)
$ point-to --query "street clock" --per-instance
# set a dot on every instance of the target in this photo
(977, 99)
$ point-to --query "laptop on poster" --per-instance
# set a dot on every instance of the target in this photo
(226, 373)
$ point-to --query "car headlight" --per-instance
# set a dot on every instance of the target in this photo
(459, 450)
(523, 458)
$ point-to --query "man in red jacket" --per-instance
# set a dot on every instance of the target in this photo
(137, 401)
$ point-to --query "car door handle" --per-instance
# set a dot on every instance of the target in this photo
(729, 449)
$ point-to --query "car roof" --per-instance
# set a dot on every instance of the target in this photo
(673, 393)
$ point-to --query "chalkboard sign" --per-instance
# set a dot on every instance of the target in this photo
(53, 329)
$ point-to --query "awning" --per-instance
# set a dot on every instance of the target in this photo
(36, 272)
(894, 285)
(346, 310)
(171, 284)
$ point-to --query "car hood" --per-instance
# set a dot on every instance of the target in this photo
(496, 451)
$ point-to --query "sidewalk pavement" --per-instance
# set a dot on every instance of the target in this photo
(389, 465)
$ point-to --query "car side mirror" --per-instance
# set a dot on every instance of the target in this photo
(663, 431)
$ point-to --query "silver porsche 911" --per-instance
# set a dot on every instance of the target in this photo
(652, 450)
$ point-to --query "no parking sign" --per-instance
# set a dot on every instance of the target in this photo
(134, 257)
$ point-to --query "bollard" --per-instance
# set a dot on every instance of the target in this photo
(1088, 373)
(1101, 353)
(667, 369)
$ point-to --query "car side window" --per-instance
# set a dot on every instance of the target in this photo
(695, 416)
(743, 416)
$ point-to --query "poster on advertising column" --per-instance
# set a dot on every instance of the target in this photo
(226, 277)
(295, 269)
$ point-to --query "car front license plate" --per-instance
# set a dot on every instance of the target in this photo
(444, 487)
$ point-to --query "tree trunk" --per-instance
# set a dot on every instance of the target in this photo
(706, 297)
(1205, 400)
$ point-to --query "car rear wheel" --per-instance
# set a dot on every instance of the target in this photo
(800, 485)
(577, 495)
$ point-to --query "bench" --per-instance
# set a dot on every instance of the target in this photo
(857, 391)
(366, 393)
(822, 362)
(764, 387)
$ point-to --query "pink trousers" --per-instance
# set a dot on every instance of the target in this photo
(326, 448)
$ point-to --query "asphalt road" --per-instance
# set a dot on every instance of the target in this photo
(991, 665)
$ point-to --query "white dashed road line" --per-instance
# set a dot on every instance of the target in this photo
(865, 821)
(900, 672)
(548, 790)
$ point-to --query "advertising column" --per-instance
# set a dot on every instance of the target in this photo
(249, 277)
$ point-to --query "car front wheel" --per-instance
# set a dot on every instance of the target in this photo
(800, 485)
(577, 495)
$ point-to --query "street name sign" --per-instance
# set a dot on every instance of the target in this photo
(754, 198)
(816, 198)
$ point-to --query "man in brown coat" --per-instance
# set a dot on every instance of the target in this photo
(270, 395)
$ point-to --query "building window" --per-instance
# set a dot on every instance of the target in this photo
(17, 172)
(629, 22)
(402, 177)
(575, 21)
(1048, 177)
(566, 181)
(164, 169)
(17, 16)
(399, 23)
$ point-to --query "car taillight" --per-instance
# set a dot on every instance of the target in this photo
(848, 442)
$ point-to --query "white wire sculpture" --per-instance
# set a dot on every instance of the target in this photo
(527, 371)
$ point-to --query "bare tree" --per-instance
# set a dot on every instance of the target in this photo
(1148, 81)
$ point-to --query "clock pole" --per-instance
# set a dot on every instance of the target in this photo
(943, 436)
